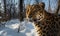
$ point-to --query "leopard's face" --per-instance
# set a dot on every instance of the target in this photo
(39, 16)
(35, 13)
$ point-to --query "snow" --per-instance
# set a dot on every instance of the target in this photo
(11, 28)
(0, 17)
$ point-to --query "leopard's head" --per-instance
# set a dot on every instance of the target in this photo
(35, 12)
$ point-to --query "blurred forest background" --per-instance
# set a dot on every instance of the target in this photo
(12, 9)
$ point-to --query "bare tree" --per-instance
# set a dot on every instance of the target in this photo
(5, 6)
(21, 17)
(8, 9)
(4, 15)
(58, 7)
(49, 7)
(21, 10)
(6, 12)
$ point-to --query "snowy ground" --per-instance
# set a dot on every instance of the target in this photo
(11, 28)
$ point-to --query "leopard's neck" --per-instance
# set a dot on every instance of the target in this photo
(37, 29)
(48, 15)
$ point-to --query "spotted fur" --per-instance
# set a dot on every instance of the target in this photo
(46, 24)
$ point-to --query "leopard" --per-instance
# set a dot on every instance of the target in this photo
(45, 23)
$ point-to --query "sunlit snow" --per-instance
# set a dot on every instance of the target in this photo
(11, 28)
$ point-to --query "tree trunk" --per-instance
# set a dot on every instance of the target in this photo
(21, 17)
(4, 6)
(49, 8)
(21, 10)
(4, 15)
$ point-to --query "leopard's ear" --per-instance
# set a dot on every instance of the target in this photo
(29, 9)
(42, 5)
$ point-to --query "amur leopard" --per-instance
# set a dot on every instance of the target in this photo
(46, 24)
